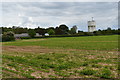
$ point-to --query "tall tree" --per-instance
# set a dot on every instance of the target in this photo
(51, 32)
(73, 29)
(31, 33)
(64, 29)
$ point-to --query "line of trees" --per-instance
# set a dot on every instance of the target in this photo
(61, 30)
(107, 31)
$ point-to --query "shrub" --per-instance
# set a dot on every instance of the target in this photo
(51, 32)
(8, 36)
(32, 33)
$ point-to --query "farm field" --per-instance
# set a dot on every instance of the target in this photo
(64, 57)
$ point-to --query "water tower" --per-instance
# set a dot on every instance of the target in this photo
(91, 25)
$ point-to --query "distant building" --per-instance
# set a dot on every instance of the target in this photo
(46, 34)
(25, 35)
(91, 25)
(75, 28)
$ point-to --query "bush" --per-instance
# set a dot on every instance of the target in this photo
(32, 33)
(8, 36)
(51, 32)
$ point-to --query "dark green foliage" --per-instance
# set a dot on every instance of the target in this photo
(41, 31)
(84, 64)
(87, 71)
(13, 65)
(51, 32)
(105, 73)
(32, 33)
(63, 29)
(97, 33)
(96, 65)
(73, 30)
(19, 30)
(58, 31)
(8, 36)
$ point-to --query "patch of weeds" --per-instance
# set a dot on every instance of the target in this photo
(96, 61)
(12, 64)
(16, 59)
(72, 73)
(27, 75)
(5, 75)
(63, 74)
(66, 65)
(100, 56)
(47, 65)
(43, 57)
(51, 76)
(77, 71)
(106, 66)
(107, 61)
(30, 70)
(84, 64)
(104, 73)
(44, 66)
(9, 70)
(87, 71)
(118, 67)
(51, 65)
(111, 67)
(96, 65)
(62, 66)
(44, 70)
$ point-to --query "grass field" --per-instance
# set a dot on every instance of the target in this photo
(68, 57)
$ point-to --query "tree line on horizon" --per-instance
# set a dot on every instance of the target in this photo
(61, 30)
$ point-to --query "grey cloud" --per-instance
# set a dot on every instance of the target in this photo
(54, 13)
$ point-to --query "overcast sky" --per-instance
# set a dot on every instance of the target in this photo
(52, 14)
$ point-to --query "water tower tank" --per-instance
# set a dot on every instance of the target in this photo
(91, 26)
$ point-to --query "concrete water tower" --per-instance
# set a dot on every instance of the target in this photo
(91, 25)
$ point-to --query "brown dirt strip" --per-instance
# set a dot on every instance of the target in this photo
(34, 40)
(39, 49)
(26, 49)
(39, 74)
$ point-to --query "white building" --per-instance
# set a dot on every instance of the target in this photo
(91, 25)
(25, 35)
(46, 34)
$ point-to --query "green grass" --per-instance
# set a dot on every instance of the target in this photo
(87, 43)
(88, 71)
(85, 57)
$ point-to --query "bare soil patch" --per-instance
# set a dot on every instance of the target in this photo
(26, 49)
(39, 49)
(34, 40)
(40, 74)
